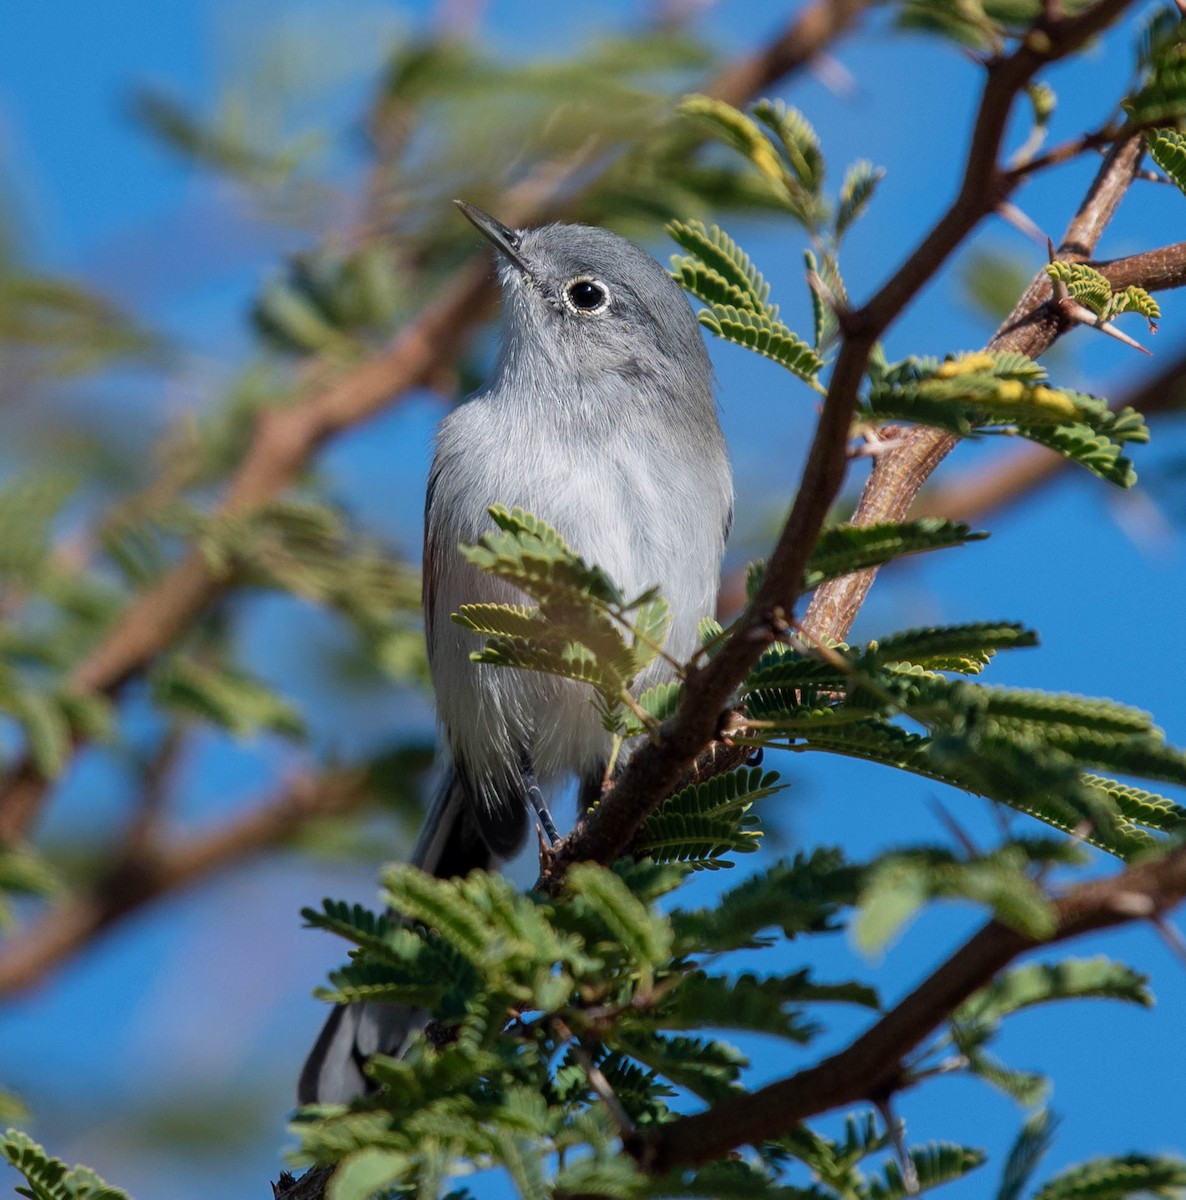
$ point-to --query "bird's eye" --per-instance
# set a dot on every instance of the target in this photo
(585, 295)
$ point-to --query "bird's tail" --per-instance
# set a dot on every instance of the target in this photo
(448, 845)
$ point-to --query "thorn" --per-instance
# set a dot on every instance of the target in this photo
(1134, 904)
(956, 830)
(825, 293)
(1020, 221)
(546, 849)
(1142, 521)
(834, 76)
(1111, 330)
(1058, 289)
(874, 445)
(1082, 315)
(597, 1080)
(1171, 934)
(895, 1129)
(1152, 176)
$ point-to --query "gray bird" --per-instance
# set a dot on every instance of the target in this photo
(600, 419)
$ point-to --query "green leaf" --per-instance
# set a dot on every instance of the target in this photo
(441, 905)
(798, 140)
(1031, 1146)
(223, 696)
(646, 937)
(784, 669)
(1038, 983)
(967, 24)
(1131, 1175)
(531, 554)
(45, 726)
(735, 129)
(934, 1165)
(354, 922)
(222, 145)
(1095, 451)
(573, 662)
(749, 1003)
(847, 548)
(717, 270)
(966, 649)
(29, 506)
(707, 285)
(825, 299)
(899, 884)
(522, 1159)
(650, 623)
(704, 822)
(1083, 283)
(1136, 299)
(708, 1069)
(804, 895)
(1094, 291)
(362, 1174)
(764, 335)
(1167, 148)
(855, 193)
(61, 329)
(618, 1177)
(1161, 99)
(994, 393)
(659, 703)
(49, 1178)
(1140, 806)
(24, 872)
(1028, 1088)
(732, 1179)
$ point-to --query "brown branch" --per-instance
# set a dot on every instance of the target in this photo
(996, 486)
(1154, 270)
(815, 27)
(657, 768)
(1031, 328)
(872, 1063)
(144, 871)
(286, 439)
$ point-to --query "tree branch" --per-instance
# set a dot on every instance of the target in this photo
(286, 439)
(144, 871)
(872, 1063)
(899, 474)
(657, 767)
(998, 485)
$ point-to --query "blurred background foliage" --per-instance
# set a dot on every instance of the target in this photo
(307, 219)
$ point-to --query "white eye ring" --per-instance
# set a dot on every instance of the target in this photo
(585, 295)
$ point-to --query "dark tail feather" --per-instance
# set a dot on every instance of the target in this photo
(448, 845)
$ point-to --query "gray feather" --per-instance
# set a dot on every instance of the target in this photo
(603, 424)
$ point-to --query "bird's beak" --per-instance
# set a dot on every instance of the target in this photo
(505, 240)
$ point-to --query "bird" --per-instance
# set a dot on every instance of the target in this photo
(600, 418)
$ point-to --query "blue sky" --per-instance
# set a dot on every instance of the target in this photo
(208, 994)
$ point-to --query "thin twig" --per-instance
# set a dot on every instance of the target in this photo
(145, 871)
(656, 769)
(1031, 328)
(286, 439)
(870, 1066)
(897, 1136)
(988, 489)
